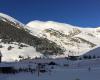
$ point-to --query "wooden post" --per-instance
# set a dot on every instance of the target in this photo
(38, 69)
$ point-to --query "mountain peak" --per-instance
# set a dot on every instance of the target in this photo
(41, 25)
(6, 18)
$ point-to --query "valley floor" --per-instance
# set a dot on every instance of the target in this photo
(63, 74)
(83, 71)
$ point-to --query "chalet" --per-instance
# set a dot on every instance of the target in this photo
(73, 57)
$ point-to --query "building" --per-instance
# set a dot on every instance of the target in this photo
(73, 57)
(0, 56)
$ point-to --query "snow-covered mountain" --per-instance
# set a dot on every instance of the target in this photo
(44, 39)
(10, 48)
(74, 40)
(48, 39)
(16, 42)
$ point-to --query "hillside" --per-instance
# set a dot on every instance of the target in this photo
(13, 33)
(75, 40)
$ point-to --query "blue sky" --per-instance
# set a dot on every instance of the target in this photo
(85, 13)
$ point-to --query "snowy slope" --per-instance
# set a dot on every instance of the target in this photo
(75, 40)
(11, 51)
(94, 52)
(16, 51)
(6, 18)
